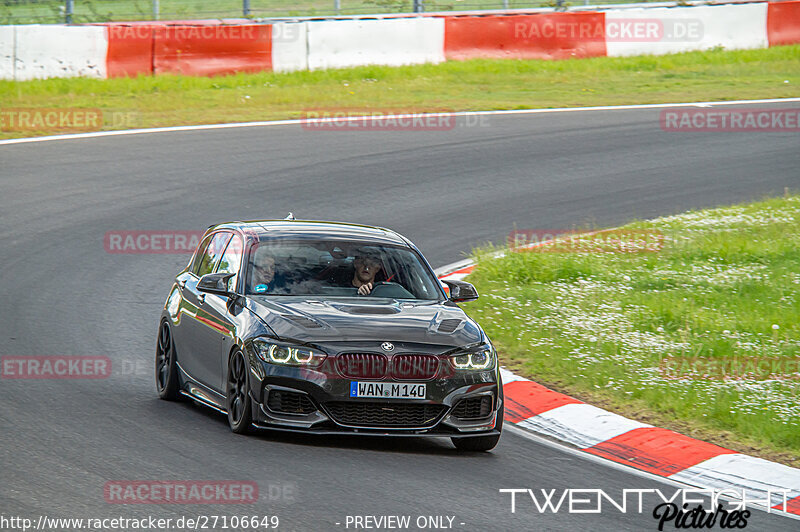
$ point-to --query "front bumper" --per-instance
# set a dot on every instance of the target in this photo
(326, 396)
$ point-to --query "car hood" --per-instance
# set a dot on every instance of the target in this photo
(353, 320)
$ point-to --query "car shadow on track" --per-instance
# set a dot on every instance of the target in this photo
(401, 445)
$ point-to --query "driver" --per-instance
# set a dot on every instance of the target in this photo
(366, 265)
(263, 271)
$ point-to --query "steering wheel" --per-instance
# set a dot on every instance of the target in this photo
(396, 290)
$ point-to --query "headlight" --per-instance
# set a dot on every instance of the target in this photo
(479, 360)
(288, 355)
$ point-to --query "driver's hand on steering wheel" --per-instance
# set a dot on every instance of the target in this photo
(365, 289)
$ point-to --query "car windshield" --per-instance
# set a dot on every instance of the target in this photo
(327, 268)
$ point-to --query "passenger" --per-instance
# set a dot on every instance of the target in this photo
(263, 271)
(366, 265)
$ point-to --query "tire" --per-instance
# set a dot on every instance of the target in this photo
(480, 443)
(166, 369)
(237, 389)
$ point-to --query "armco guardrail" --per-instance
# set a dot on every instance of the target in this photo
(213, 48)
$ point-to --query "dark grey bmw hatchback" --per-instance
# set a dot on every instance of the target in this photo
(327, 328)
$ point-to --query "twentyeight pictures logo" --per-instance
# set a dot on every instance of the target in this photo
(671, 509)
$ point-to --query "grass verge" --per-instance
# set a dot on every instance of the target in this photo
(166, 100)
(701, 335)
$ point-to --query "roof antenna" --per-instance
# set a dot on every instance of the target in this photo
(290, 217)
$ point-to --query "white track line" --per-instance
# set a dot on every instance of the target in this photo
(268, 123)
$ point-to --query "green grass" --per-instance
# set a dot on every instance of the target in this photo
(166, 100)
(638, 332)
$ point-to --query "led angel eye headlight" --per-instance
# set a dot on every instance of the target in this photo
(480, 360)
(303, 356)
(280, 354)
(461, 361)
(288, 356)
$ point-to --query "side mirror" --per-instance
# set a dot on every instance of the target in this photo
(461, 291)
(215, 283)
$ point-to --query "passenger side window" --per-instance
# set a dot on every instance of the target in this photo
(211, 254)
(231, 261)
(198, 258)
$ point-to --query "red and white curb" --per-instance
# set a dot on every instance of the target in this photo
(654, 450)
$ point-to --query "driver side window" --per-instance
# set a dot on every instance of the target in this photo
(206, 262)
(231, 261)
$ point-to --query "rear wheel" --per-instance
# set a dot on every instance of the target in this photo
(166, 370)
(480, 443)
(238, 394)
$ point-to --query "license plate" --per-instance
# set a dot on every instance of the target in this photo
(387, 390)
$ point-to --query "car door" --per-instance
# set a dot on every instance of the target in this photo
(223, 322)
(198, 327)
(187, 307)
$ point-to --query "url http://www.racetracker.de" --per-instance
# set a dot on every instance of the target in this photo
(197, 522)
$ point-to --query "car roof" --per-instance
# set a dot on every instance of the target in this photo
(315, 229)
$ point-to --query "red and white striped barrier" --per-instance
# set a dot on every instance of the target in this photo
(658, 451)
(541, 36)
(783, 23)
(214, 48)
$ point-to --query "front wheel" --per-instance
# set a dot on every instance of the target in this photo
(480, 443)
(238, 394)
(166, 370)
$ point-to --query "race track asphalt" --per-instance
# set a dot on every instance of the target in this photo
(62, 294)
